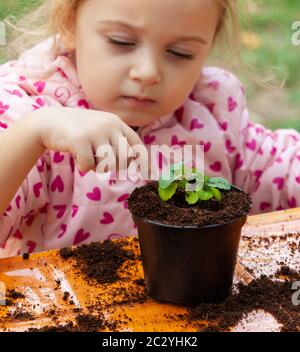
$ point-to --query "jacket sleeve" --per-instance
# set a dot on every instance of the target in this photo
(264, 163)
(32, 194)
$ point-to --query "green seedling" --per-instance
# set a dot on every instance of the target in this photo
(197, 186)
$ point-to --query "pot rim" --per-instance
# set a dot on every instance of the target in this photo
(158, 223)
(189, 227)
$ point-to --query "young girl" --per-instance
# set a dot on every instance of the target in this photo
(83, 87)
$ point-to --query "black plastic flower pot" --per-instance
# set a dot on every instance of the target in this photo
(189, 264)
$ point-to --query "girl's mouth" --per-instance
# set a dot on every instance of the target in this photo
(135, 102)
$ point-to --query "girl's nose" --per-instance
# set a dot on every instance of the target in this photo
(146, 69)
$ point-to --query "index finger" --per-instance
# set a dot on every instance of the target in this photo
(139, 151)
(132, 137)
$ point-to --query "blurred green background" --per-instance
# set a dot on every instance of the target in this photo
(267, 33)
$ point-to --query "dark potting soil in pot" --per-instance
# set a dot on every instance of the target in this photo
(145, 202)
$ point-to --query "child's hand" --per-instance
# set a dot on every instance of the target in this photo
(83, 133)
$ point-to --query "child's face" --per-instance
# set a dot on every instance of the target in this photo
(148, 66)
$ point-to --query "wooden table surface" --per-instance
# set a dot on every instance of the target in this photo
(37, 279)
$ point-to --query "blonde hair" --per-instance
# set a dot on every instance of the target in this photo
(59, 16)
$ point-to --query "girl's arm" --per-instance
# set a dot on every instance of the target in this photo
(264, 163)
(19, 151)
(80, 132)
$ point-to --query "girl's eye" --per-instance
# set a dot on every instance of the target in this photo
(183, 56)
(180, 55)
(116, 42)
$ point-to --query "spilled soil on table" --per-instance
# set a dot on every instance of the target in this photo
(274, 297)
(101, 263)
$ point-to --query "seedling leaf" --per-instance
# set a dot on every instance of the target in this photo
(167, 193)
(192, 197)
(217, 194)
(219, 182)
(205, 195)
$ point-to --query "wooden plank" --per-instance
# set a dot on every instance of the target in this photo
(274, 217)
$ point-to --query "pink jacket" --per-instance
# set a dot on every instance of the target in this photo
(57, 206)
